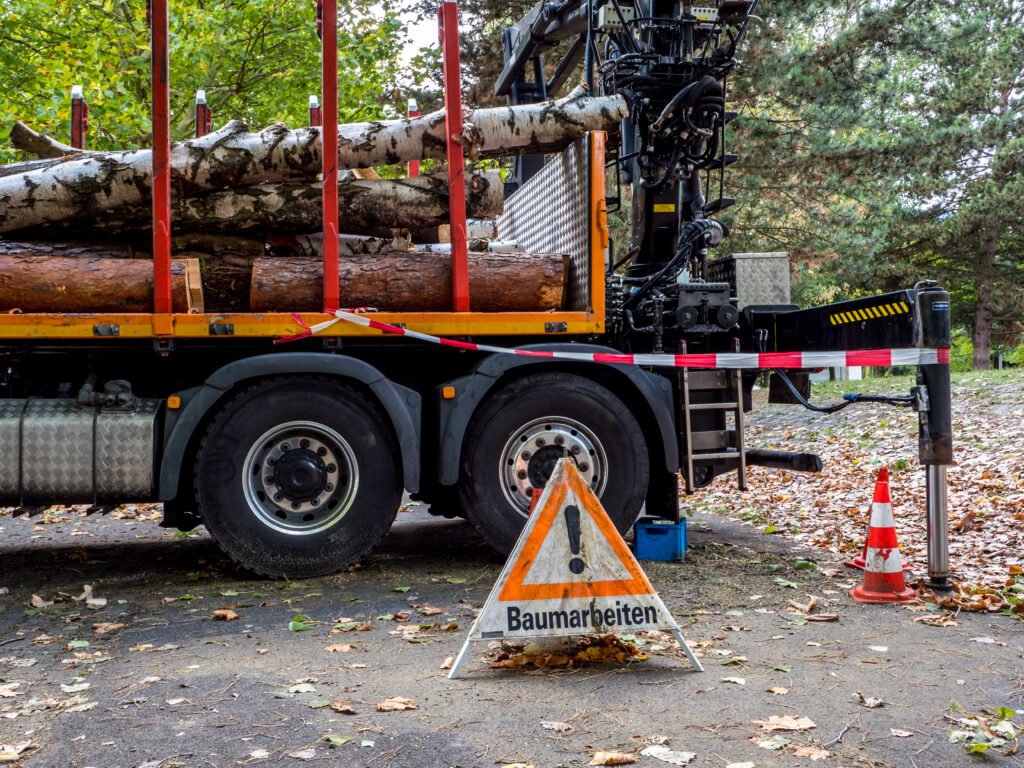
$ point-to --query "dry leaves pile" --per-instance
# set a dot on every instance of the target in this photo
(830, 510)
(586, 650)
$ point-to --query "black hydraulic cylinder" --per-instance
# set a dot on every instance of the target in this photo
(935, 428)
(795, 462)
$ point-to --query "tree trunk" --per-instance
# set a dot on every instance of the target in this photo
(31, 282)
(88, 185)
(982, 336)
(412, 281)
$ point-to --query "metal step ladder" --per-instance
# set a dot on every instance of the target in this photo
(734, 404)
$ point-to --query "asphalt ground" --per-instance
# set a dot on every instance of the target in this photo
(175, 686)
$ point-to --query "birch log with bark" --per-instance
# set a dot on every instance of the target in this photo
(91, 184)
(412, 281)
(43, 283)
(364, 206)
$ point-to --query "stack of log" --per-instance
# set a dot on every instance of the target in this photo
(75, 227)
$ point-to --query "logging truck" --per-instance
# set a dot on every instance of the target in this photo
(290, 427)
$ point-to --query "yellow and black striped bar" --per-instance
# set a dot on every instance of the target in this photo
(873, 310)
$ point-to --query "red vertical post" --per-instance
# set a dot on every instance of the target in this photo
(413, 168)
(316, 117)
(448, 31)
(329, 136)
(161, 159)
(79, 117)
(204, 117)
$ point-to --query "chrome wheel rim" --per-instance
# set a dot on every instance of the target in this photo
(531, 453)
(300, 478)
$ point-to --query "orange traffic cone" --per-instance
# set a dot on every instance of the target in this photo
(883, 480)
(883, 564)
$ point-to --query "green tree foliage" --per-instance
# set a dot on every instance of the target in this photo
(883, 142)
(258, 61)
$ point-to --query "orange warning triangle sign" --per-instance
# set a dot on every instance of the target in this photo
(567, 482)
(570, 573)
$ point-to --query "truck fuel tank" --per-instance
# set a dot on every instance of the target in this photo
(59, 451)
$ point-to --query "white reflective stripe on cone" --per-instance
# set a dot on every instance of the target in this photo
(881, 515)
(884, 561)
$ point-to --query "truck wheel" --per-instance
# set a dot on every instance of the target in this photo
(298, 477)
(518, 435)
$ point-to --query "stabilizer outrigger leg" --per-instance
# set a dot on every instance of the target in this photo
(935, 428)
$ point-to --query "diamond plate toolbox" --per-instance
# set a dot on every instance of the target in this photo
(755, 278)
(57, 451)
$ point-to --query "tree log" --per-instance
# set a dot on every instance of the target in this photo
(43, 283)
(88, 185)
(27, 140)
(364, 207)
(412, 281)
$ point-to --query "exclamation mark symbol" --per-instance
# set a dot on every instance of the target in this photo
(572, 523)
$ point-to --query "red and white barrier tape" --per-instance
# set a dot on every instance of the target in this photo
(751, 360)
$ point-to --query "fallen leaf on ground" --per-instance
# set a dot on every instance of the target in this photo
(395, 704)
(772, 744)
(612, 758)
(303, 754)
(900, 733)
(778, 691)
(786, 723)
(448, 663)
(174, 702)
(429, 610)
(103, 627)
(666, 755)
(807, 607)
(259, 754)
(937, 620)
(7, 690)
(336, 740)
(553, 725)
(38, 602)
(822, 617)
(735, 680)
(989, 641)
(225, 614)
(740, 765)
(343, 707)
(869, 702)
(812, 751)
(339, 648)
(11, 753)
(302, 688)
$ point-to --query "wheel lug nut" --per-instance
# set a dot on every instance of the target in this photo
(286, 446)
(540, 442)
(328, 487)
(269, 480)
(526, 455)
(331, 467)
(321, 451)
(575, 450)
(278, 497)
(584, 467)
(295, 505)
(304, 443)
(559, 440)
(316, 502)
(521, 474)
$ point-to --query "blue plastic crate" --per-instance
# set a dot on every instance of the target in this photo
(659, 540)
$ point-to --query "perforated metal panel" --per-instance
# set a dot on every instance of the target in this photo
(550, 214)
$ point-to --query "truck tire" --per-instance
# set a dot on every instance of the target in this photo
(520, 432)
(298, 477)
